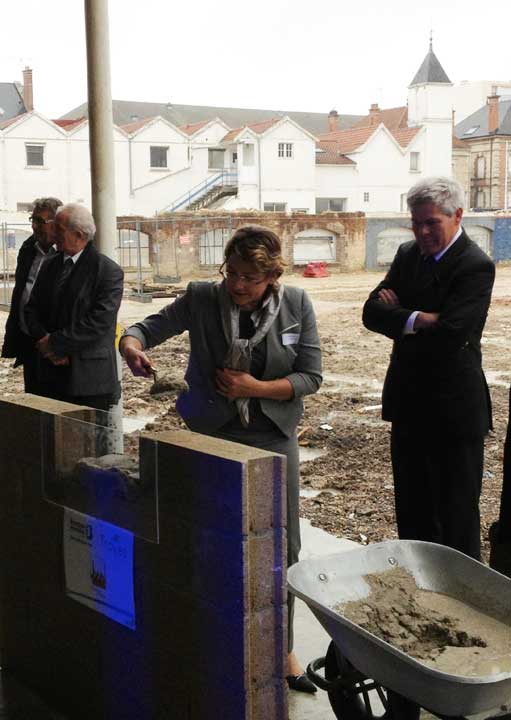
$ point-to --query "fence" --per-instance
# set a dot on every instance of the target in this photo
(12, 236)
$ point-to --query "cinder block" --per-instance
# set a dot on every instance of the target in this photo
(210, 640)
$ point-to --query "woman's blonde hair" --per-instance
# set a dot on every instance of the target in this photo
(259, 246)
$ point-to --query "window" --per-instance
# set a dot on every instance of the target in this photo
(274, 207)
(312, 245)
(366, 197)
(330, 205)
(24, 207)
(216, 159)
(403, 205)
(212, 244)
(285, 150)
(234, 158)
(471, 130)
(480, 167)
(158, 156)
(248, 154)
(414, 161)
(35, 155)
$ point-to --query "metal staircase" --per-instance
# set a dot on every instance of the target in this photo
(205, 193)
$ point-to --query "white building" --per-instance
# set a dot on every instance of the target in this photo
(280, 163)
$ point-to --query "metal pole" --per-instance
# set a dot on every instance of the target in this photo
(139, 260)
(101, 139)
(506, 176)
(101, 148)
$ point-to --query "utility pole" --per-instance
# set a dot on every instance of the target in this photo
(101, 137)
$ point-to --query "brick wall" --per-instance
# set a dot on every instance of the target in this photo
(182, 257)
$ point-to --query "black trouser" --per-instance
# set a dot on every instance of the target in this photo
(505, 502)
(437, 484)
(31, 372)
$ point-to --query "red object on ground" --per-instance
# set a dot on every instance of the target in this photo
(316, 269)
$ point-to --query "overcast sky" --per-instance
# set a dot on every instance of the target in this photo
(314, 55)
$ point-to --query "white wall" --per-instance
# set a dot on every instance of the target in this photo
(382, 170)
(21, 184)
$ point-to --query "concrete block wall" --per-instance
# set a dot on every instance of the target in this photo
(502, 238)
(210, 640)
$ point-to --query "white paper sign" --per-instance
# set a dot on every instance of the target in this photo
(98, 564)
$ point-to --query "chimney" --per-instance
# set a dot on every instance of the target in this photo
(493, 113)
(374, 114)
(333, 121)
(28, 91)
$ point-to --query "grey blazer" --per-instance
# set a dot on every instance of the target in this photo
(293, 352)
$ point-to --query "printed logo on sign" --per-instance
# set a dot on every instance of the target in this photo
(98, 573)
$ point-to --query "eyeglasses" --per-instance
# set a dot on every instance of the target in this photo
(40, 221)
(233, 277)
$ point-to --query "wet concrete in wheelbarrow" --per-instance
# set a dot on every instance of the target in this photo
(441, 631)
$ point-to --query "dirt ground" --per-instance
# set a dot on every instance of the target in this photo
(347, 485)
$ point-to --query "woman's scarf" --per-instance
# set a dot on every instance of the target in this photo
(239, 354)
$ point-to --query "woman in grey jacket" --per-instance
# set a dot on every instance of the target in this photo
(254, 353)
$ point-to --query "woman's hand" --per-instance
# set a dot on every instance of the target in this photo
(138, 362)
(234, 384)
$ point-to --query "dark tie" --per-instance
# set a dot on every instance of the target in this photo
(64, 275)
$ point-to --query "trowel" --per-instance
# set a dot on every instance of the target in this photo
(166, 385)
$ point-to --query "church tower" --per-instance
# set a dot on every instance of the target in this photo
(430, 102)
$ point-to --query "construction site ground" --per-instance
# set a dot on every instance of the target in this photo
(345, 474)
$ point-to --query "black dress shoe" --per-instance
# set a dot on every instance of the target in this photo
(301, 683)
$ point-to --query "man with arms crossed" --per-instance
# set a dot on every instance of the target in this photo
(433, 304)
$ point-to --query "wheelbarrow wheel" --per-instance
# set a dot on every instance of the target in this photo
(349, 690)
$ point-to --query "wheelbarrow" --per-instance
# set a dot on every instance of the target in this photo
(359, 665)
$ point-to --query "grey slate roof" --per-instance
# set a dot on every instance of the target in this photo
(126, 111)
(11, 101)
(430, 71)
(479, 121)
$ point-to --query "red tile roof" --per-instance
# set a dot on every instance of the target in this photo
(134, 126)
(69, 124)
(192, 128)
(404, 136)
(349, 140)
(6, 123)
(329, 155)
(392, 118)
(258, 127)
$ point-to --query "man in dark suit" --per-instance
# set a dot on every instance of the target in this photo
(433, 304)
(34, 251)
(72, 315)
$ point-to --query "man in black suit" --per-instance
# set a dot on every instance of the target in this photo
(34, 251)
(433, 304)
(72, 315)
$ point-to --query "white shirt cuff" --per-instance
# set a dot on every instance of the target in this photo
(408, 328)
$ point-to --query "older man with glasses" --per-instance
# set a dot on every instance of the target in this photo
(34, 251)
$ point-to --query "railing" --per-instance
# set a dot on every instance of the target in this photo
(226, 177)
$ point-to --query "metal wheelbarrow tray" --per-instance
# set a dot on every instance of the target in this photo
(325, 581)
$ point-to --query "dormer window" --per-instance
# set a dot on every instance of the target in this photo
(471, 130)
